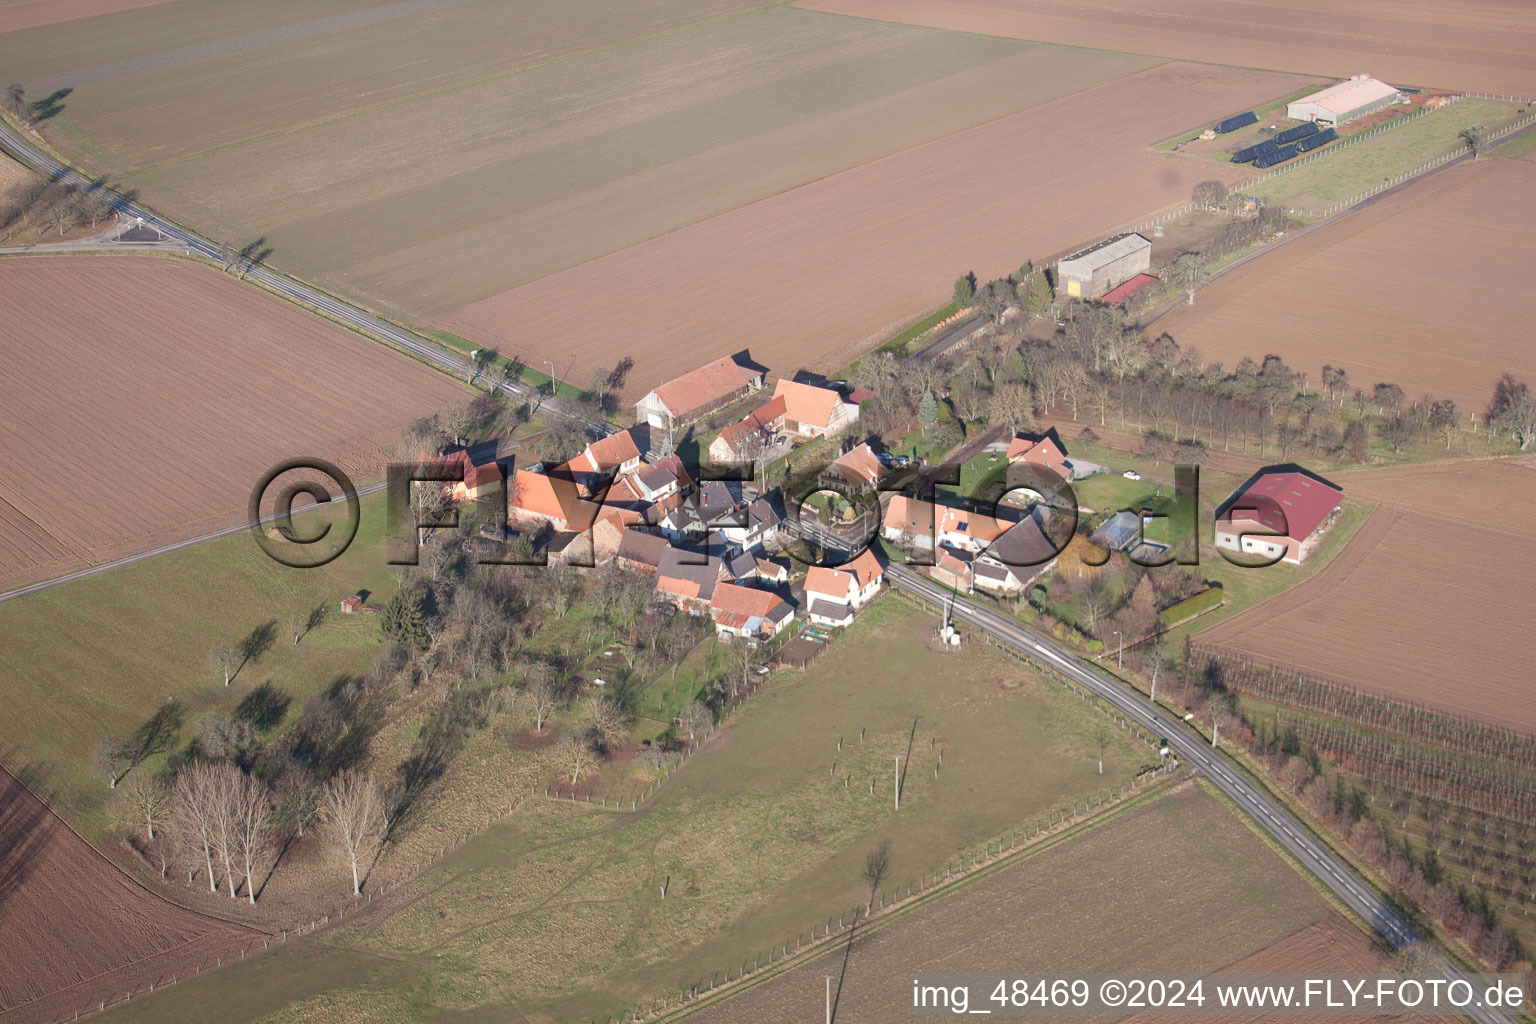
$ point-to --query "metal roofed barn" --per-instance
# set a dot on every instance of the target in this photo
(1097, 269)
(1344, 101)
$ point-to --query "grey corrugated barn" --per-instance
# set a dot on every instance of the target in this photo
(1097, 269)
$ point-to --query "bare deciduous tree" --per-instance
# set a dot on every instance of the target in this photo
(223, 658)
(110, 758)
(574, 758)
(603, 721)
(1186, 272)
(535, 703)
(352, 808)
(696, 718)
(250, 814)
(193, 803)
(877, 865)
(144, 801)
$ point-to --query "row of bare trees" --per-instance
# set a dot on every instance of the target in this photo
(47, 206)
(215, 820)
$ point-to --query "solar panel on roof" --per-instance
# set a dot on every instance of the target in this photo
(1232, 124)
(1312, 142)
(1301, 131)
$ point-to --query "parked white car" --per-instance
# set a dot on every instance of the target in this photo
(1131, 474)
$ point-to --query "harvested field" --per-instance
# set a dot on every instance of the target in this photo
(1219, 893)
(401, 162)
(1331, 946)
(1484, 45)
(813, 276)
(11, 173)
(76, 930)
(32, 13)
(1376, 292)
(1421, 603)
(157, 392)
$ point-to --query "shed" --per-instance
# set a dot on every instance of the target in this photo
(1097, 269)
(350, 605)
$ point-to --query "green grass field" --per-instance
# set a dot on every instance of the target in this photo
(1343, 173)
(101, 654)
(587, 130)
(558, 911)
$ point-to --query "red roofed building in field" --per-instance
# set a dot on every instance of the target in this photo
(697, 393)
(1278, 516)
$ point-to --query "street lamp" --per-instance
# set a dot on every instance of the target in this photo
(1120, 658)
(552, 384)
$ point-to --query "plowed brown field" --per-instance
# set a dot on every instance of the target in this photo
(1483, 45)
(76, 930)
(1331, 946)
(812, 276)
(32, 13)
(1428, 288)
(143, 398)
(1179, 885)
(1427, 601)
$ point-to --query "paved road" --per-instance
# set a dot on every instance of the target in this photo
(1192, 749)
(951, 336)
(189, 242)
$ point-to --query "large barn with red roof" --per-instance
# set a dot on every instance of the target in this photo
(1279, 516)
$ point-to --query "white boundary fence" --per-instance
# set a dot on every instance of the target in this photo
(1407, 175)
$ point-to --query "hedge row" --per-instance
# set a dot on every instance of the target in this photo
(1191, 606)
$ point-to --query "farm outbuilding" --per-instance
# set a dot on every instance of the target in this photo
(1094, 271)
(1343, 102)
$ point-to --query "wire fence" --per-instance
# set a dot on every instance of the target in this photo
(965, 863)
(823, 933)
(1455, 154)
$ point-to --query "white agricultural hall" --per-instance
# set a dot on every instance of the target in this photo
(1343, 102)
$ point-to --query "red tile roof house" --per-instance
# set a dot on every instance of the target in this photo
(811, 411)
(744, 440)
(832, 596)
(1282, 514)
(1043, 452)
(748, 612)
(857, 468)
(480, 479)
(660, 480)
(697, 393)
(966, 531)
(688, 579)
(615, 455)
(953, 569)
(910, 523)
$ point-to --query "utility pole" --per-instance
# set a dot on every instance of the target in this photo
(1120, 658)
(829, 997)
(896, 781)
